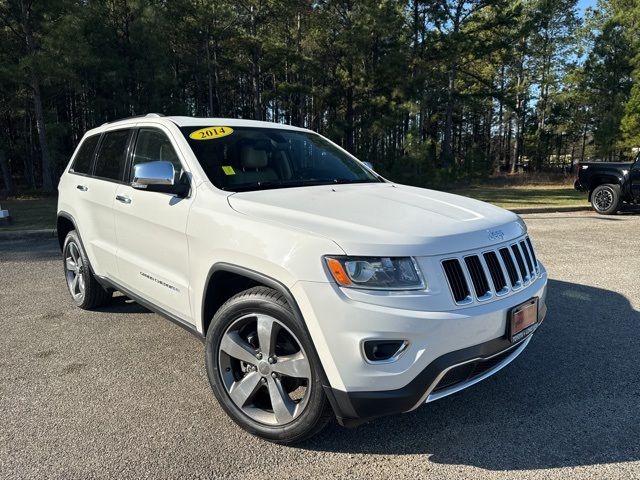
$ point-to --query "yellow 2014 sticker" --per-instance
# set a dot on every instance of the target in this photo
(211, 133)
(228, 170)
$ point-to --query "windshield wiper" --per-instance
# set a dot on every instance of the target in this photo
(271, 184)
(355, 180)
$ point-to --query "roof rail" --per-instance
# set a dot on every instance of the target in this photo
(148, 115)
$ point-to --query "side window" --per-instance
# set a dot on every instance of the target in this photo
(82, 162)
(112, 155)
(153, 145)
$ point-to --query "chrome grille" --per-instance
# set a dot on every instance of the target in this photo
(457, 282)
(507, 261)
(495, 272)
(478, 277)
(515, 248)
(533, 254)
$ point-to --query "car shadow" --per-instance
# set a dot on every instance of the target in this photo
(570, 399)
(629, 210)
(122, 304)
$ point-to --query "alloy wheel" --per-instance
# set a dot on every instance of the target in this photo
(264, 369)
(74, 270)
(603, 199)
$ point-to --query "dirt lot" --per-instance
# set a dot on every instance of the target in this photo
(122, 393)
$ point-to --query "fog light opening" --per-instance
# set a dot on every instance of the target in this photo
(383, 351)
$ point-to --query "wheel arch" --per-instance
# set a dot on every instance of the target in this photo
(211, 303)
(64, 224)
(226, 279)
(605, 179)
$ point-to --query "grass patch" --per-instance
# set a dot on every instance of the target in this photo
(30, 213)
(34, 213)
(525, 196)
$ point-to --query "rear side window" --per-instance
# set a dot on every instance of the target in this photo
(112, 155)
(84, 157)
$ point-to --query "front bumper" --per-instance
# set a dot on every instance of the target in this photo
(354, 408)
(442, 345)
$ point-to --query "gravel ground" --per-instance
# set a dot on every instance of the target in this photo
(123, 393)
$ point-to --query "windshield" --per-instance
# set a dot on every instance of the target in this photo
(244, 158)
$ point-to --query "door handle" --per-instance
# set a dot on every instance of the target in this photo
(123, 199)
(82, 188)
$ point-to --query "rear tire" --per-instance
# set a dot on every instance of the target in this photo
(263, 369)
(85, 290)
(606, 199)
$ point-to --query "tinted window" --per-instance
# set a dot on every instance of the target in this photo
(242, 158)
(112, 155)
(82, 162)
(153, 145)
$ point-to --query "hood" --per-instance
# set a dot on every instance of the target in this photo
(621, 165)
(384, 219)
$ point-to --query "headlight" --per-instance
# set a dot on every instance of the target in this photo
(376, 273)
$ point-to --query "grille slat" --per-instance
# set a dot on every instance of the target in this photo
(456, 279)
(495, 270)
(533, 254)
(520, 261)
(478, 277)
(527, 257)
(511, 267)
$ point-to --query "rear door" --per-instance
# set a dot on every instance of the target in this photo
(95, 189)
(153, 254)
(74, 187)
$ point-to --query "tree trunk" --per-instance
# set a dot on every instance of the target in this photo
(348, 141)
(501, 120)
(256, 72)
(584, 142)
(447, 145)
(212, 79)
(6, 173)
(297, 96)
(47, 173)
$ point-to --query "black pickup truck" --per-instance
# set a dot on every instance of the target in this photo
(609, 184)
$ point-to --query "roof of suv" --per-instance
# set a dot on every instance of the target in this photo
(203, 121)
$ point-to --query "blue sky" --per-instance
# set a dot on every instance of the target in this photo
(584, 4)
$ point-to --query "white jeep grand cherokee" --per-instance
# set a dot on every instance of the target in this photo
(318, 287)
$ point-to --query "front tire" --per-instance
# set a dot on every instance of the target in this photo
(606, 199)
(85, 290)
(263, 369)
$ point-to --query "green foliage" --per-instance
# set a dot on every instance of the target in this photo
(430, 92)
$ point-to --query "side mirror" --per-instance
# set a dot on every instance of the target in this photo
(368, 165)
(153, 174)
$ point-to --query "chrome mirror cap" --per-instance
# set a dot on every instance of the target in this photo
(153, 173)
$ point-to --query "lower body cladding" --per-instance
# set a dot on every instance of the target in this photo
(440, 352)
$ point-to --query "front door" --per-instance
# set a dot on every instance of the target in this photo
(153, 254)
